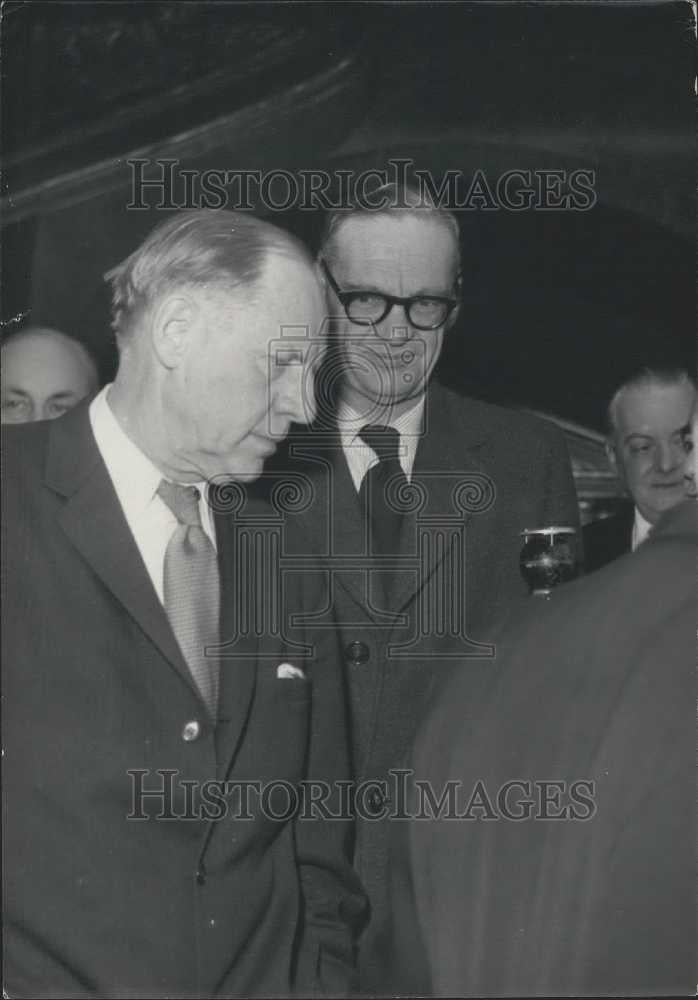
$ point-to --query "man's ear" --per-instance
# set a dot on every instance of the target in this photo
(458, 292)
(611, 455)
(172, 327)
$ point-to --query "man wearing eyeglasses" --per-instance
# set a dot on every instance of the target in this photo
(418, 498)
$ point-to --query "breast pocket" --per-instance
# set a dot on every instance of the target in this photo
(282, 719)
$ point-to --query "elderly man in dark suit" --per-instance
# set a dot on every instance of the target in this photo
(567, 866)
(648, 420)
(416, 498)
(153, 744)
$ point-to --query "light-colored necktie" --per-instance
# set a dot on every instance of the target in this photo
(192, 589)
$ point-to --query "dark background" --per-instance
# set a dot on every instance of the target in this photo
(558, 306)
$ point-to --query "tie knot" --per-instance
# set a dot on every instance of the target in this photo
(385, 441)
(183, 501)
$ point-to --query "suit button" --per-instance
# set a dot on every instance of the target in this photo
(201, 875)
(191, 731)
(357, 653)
(375, 801)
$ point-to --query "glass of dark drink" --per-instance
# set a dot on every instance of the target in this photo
(549, 557)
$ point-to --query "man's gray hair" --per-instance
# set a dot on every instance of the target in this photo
(193, 249)
(644, 378)
(386, 200)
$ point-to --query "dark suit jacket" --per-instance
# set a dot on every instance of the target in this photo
(608, 538)
(596, 686)
(482, 474)
(95, 687)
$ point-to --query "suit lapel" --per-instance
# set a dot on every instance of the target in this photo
(451, 447)
(450, 450)
(625, 535)
(242, 645)
(337, 516)
(94, 522)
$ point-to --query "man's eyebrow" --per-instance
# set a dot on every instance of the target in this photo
(423, 293)
(15, 391)
(353, 286)
(679, 432)
(62, 394)
(289, 356)
(639, 435)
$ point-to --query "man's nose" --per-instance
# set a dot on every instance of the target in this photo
(670, 456)
(296, 394)
(395, 328)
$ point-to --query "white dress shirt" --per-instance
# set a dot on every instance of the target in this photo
(641, 529)
(360, 458)
(136, 481)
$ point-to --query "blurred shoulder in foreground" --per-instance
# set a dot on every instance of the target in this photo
(571, 870)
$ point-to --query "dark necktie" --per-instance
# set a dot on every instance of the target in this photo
(380, 488)
(192, 589)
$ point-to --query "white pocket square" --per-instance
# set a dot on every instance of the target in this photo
(286, 671)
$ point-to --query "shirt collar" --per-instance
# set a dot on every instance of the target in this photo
(134, 476)
(350, 422)
(641, 529)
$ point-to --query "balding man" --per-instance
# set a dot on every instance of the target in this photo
(649, 420)
(44, 374)
(131, 689)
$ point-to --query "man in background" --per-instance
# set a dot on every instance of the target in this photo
(571, 868)
(131, 689)
(418, 498)
(44, 374)
(648, 420)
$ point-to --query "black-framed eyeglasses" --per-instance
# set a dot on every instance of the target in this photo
(424, 312)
